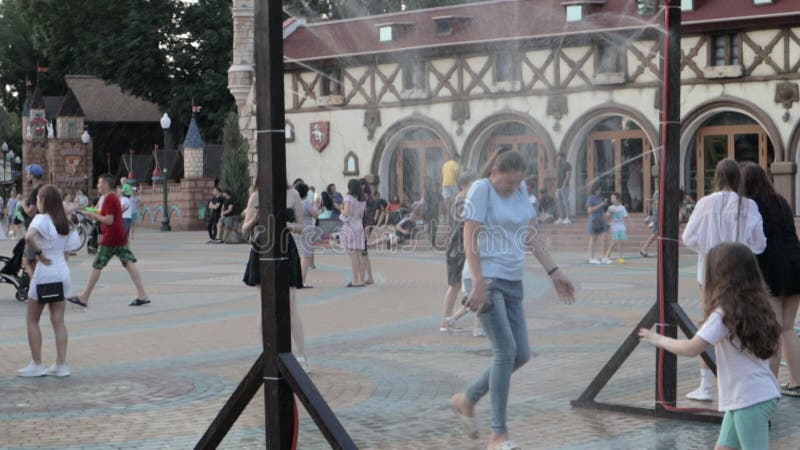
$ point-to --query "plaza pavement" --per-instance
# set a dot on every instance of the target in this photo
(154, 377)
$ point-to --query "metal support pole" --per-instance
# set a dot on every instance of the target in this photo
(86, 168)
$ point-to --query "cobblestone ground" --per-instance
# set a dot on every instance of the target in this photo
(154, 377)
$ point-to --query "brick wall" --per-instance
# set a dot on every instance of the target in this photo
(183, 198)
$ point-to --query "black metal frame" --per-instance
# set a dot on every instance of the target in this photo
(276, 368)
(674, 316)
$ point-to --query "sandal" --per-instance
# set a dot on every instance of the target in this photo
(353, 285)
(643, 253)
(506, 445)
(790, 391)
(139, 302)
(77, 301)
(468, 424)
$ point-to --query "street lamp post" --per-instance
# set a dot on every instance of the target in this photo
(85, 138)
(5, 149)
(165, 123)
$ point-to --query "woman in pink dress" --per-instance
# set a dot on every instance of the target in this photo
(351, 235)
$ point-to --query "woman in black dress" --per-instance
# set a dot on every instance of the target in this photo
(780, 265)
(252, 275)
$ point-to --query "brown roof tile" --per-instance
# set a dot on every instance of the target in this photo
(104, 102)
(497, 21)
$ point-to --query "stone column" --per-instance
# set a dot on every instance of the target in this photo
(192, 163)
(783, 173)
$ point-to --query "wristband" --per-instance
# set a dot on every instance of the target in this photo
(552, 271)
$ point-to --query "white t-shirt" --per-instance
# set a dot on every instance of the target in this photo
(743, 379)
(618, 215)
(53, 247)
(127, 212)
(713, 221)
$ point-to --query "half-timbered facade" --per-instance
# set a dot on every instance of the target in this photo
(401, 93)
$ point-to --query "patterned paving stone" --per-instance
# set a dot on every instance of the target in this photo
(154, 377)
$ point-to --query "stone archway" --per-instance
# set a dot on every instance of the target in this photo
(739, 120)
(633, 133)
(408, 157)
(515, 130)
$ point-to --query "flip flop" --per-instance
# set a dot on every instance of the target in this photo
(468, 424)
(353, 285)
(77, 301)
(138, 302)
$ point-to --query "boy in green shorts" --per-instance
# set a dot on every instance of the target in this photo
(113, 242)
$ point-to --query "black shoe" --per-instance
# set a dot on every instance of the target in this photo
(77, 301)
(138, 302)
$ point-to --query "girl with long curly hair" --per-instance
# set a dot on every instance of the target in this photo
(741, 326)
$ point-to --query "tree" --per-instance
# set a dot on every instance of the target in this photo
(200, 59)
(17, 55)
(234, 163)
(10, 131)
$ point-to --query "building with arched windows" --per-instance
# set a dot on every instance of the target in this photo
(392, 97)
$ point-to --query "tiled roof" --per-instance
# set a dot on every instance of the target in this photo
(502, 20)
(193, 137)
(104, 102)
(70, 106)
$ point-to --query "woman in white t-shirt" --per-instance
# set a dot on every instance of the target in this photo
(744, 332)
(723, 216)
(51, 238)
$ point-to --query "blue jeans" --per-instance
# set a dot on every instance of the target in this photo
(562, 197)
(503, 320)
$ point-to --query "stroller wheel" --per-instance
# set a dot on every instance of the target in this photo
(22, 294)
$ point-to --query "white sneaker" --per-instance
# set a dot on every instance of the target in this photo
(478, 332)
(558, 222)
(59, 370)
(607, 261)
(33, 370)
(304, 364)
(566, 221)
(594, 261)
(701, 394)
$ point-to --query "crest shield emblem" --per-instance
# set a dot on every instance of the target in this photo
(320, 135)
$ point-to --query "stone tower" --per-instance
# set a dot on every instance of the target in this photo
(241, 75)
(193, 152)
(34, 144)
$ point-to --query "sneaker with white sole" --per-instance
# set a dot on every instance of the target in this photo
(701, 394)
(594, 261)
(59, 370)
(558, 222)
(607, 261)
(33, 370)
(566, 221)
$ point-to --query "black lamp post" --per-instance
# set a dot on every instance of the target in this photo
(85, 138)
(5, 149)
(165, 123)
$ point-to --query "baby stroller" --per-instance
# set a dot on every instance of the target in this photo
(12, 272)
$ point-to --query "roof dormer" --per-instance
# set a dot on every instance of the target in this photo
(448, 25)
(578, 10)
(392, 31)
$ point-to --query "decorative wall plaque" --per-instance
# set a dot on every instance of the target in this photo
(372, 120)
(557, 106)
(787, 93)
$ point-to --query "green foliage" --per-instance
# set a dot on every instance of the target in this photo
(235, 176)
(166, 51)
(10, 131)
